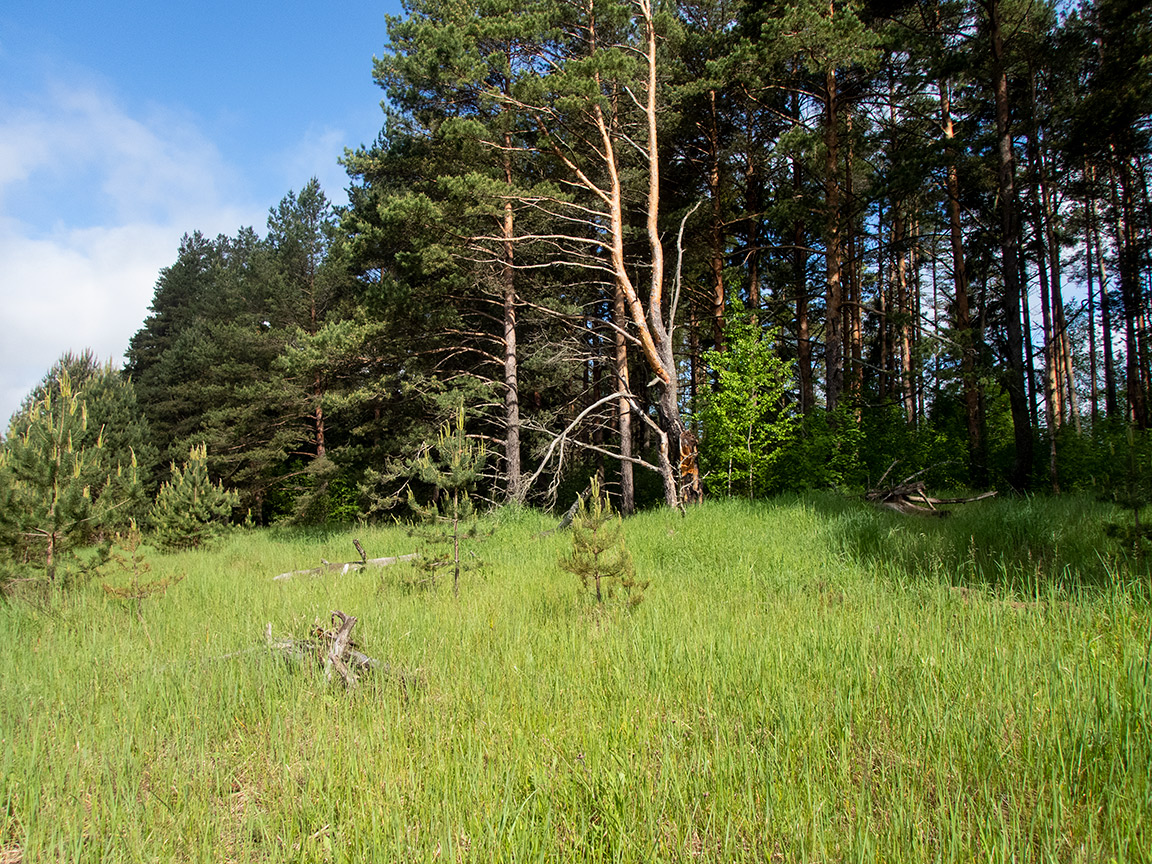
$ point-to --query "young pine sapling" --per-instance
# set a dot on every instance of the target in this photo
(128, 558)
(452, 465)
(599, 557)
(190, 510)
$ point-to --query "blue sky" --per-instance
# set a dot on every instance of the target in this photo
(125, 125)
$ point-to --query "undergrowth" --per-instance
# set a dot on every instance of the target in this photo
(806, 680)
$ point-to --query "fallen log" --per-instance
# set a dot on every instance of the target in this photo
(347, 566)
(910, 497)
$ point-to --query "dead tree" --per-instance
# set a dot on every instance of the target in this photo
(909, 496)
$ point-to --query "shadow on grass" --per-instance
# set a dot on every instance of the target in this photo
(1021, 544)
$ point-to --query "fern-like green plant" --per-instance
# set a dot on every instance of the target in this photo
(599, 556)
(190, 510)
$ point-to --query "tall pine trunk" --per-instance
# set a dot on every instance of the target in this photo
(716, 229)
(623, 406)
(511, 375)
(833, 255)
(1126, 231)
(853, 324)
(1089, 271)
(800, 279)
(1010, 251)
(1110, 406)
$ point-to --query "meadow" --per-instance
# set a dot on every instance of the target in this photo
(806, 679)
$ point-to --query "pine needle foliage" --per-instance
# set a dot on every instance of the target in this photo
(1133, 494)
(599, 556)
(452, 466)
(61, 491)
(190, 509)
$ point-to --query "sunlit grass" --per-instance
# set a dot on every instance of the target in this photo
(806, 680)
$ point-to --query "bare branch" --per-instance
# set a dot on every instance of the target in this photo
(679, 264)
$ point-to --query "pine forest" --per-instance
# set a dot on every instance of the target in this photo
(713, 248)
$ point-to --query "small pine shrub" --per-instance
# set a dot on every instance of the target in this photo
(128, 558)
(599, 556)
(62, 491)
(1133, 493)
(190, 510)
(452, 466)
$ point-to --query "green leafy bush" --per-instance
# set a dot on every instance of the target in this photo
(747, 419)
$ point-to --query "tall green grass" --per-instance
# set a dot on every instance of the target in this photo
(806, 680)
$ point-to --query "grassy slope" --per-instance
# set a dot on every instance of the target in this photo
(802, 682)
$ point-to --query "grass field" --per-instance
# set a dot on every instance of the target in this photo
(806, 680)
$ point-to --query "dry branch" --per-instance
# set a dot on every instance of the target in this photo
(332, 648)
(909, 496)
(348, 566)
(340, 642)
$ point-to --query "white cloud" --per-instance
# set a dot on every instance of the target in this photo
(93, 202)
(316, 155)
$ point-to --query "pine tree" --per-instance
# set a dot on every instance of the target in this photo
(128, 557)
(59, 487)
(599, 556)
(190, 509)
(114, 416)
(452, 466)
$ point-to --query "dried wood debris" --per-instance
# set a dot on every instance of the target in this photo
(909, 496)
(348, 566)
(333, 649)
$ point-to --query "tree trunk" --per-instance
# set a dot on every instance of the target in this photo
(50, 557)
(1088, 270)
(511, 374)
(1009, 239)
(753, 192)
(800, 282)
(961, 310)
(852, 319)
(1110, 408)
(833, 297)
(904, 311)
(623, 407)
(964, 333)
(318, 417)
(1053, 410)
(915, 370)
(716, 229)
(1130, 292)
(1064, 378)
(1029, 348)
(654, 336)
(883, 345)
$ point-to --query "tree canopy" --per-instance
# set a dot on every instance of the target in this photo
(932, 218)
